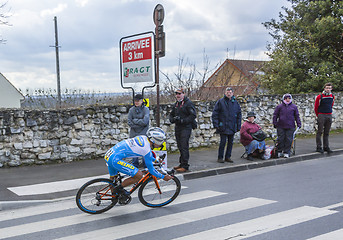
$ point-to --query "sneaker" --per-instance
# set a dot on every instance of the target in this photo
(328, 150)
(286, 155)
(250, 158)
(320, 150)
(220, 160)
(181, 170)
(280, 154)
(228, 160)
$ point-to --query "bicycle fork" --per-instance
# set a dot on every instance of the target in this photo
(157, 184)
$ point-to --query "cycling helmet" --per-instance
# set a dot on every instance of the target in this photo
(156, 135)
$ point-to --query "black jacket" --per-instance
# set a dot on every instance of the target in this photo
(183, 114)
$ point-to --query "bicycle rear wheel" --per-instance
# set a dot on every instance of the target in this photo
(95, 196)
(150, 196)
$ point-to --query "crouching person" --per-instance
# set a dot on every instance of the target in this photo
(251, 138)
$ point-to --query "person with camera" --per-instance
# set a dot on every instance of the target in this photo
(183, 115)
(252, 137)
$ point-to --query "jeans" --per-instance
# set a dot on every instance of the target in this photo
(182, 139)
(324, 122)
(251, 147)
(284, 139)
(223, 139)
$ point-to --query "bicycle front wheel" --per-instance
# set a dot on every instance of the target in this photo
(95, 196)
(151, 195)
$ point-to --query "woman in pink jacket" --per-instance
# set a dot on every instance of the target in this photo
(250, 144)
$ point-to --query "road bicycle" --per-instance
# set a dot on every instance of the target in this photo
(98, 195)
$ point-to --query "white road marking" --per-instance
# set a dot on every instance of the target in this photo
(334, 205)
(261, 225)
(51, 187)
(157, 223)
(83, 217)
(335, 235)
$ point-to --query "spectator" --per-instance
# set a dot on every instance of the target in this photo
(138, 120)
(226, 118)
(251, 145)
(284, 118)
(323, 109)
(183, 115)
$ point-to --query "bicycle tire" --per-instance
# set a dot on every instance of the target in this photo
(149, 196)
(89, 199)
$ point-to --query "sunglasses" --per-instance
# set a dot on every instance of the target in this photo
(177, 93)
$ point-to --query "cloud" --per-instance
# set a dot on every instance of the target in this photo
(89, 32)
(81, 3)
(54, 11)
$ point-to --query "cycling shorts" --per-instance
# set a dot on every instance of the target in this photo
(116, 165)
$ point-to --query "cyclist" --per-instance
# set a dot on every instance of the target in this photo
(135, 147)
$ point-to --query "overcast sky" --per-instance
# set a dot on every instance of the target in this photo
(90, 30)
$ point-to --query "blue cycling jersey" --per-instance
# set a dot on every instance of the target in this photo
(133, 147)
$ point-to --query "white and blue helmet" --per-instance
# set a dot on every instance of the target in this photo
(156, 135)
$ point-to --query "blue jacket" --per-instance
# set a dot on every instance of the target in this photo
(227, 116)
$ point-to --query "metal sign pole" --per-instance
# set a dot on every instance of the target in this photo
(158, 17)
(157, 86)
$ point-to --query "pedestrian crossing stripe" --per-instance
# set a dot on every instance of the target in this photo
(28, 228)
(334, 235)
(52, 187)
(261, 225)
(175, 219)
(240, 230)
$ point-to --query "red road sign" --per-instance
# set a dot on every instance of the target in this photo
(137, 60)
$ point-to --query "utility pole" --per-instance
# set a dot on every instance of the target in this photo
(57, 64)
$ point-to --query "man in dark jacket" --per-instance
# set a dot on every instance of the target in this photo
(183, 115)
(226, 118)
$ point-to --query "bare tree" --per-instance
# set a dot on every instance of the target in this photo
(188, 77)
(3, 19)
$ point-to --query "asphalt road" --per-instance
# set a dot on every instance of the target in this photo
(300, 200)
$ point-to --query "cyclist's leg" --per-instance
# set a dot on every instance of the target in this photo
(132, 180)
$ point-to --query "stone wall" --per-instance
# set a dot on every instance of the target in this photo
(39, 137)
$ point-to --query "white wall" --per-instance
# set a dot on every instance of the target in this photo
(9, 96)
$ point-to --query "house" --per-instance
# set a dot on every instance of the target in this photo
(10, 97)
(240, 75)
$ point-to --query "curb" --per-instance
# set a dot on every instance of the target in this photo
(255, 165)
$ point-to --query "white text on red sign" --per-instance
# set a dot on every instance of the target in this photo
(136, 50)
